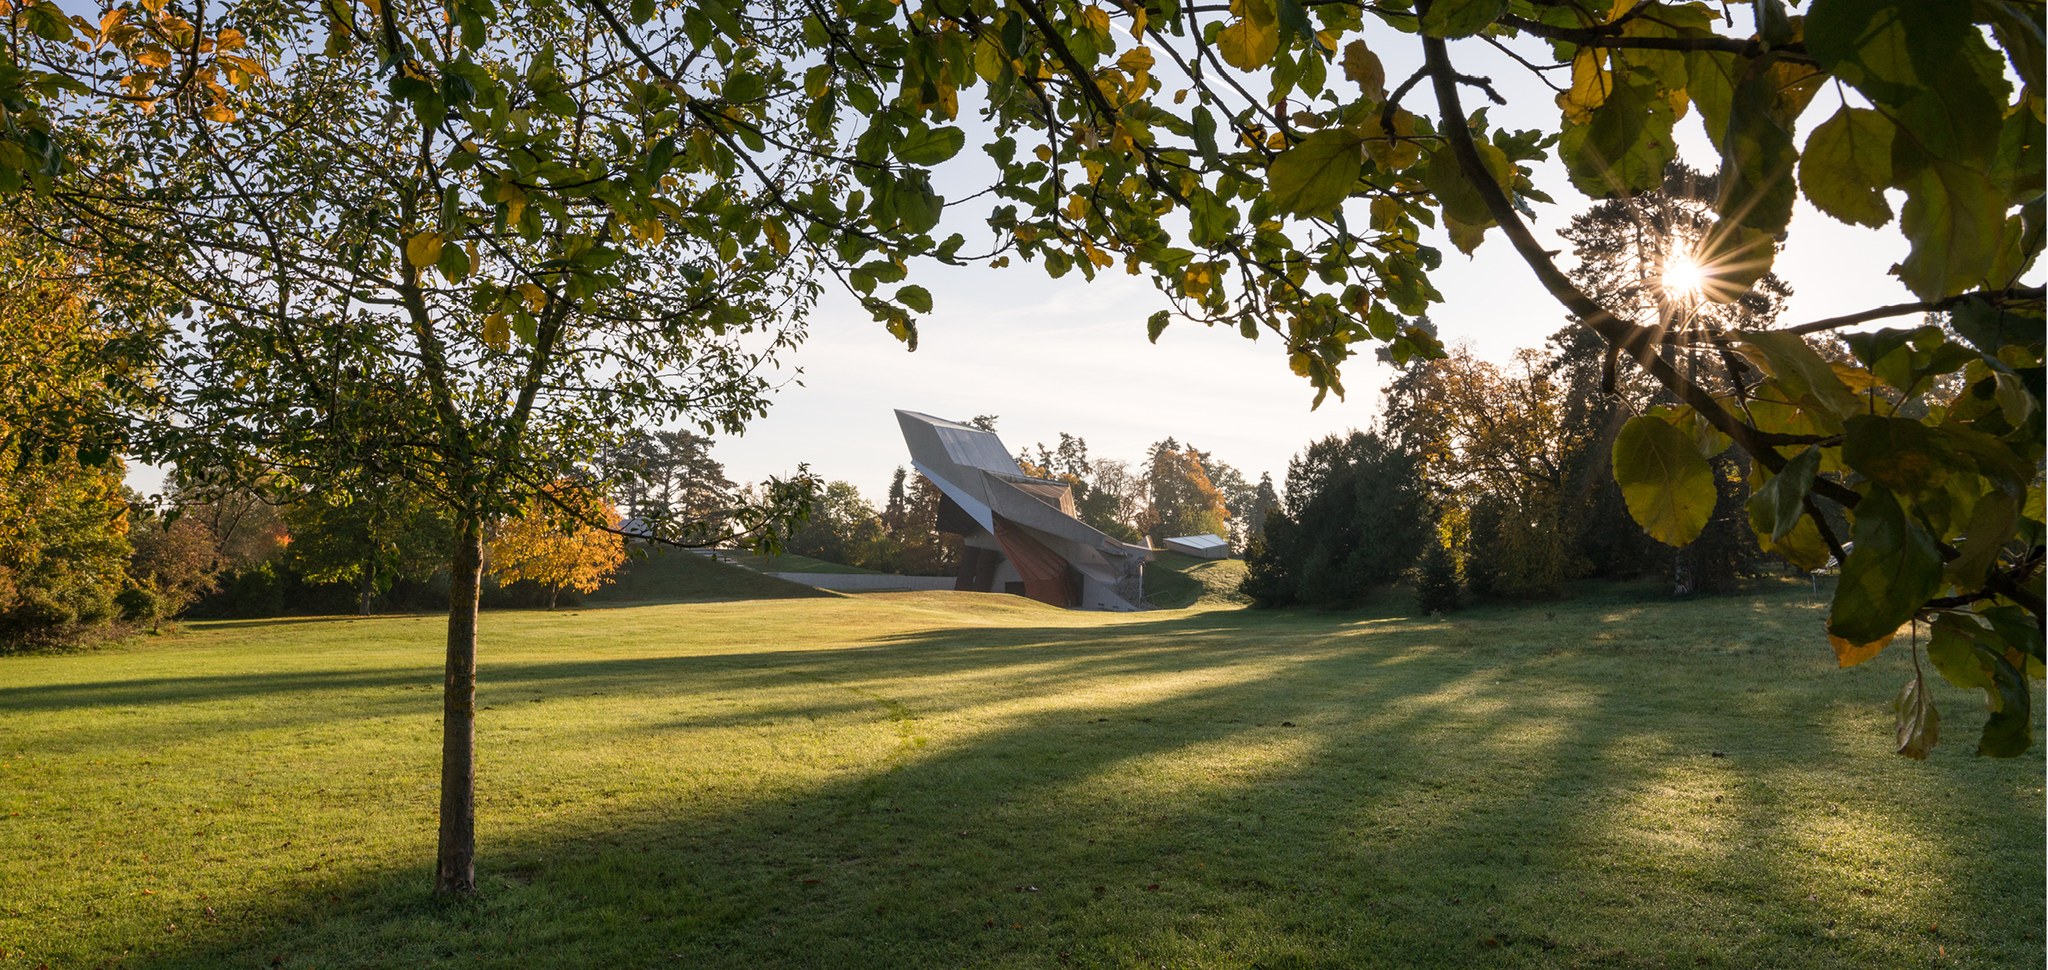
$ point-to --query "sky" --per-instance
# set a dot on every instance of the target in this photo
(1049, 356)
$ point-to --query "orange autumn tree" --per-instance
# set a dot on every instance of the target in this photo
(555, 544)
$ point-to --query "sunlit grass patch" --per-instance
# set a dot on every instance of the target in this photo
(939, 779)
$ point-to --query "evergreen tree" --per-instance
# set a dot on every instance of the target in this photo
(1355, 520)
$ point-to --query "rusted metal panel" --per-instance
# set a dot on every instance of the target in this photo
(1046, 575)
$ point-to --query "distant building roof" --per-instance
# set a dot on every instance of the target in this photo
(1208, 545)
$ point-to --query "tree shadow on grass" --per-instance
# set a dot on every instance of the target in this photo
(1220, 789)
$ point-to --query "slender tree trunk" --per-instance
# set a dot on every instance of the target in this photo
(455, 870)
(366, 592)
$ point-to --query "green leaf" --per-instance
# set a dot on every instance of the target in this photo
(1156, 325)
(1757, 158)
(47, 21)
(1901, 454)
(1926, 64)
(1954, 217)
(1459, 197)
(1952, 646)
(1669, 488)
(1991, 526)
(1623, 147)
(914, 204)
(1919, 724)
(1891, 572)
(1315, 176)
(916, 298)
(1803, 547)
(1990, 328)
(2009, 732)
(1461, 18)
(1801, 371)
(453, 262)
(1778, 506)
(1847, 166)
(930, 146)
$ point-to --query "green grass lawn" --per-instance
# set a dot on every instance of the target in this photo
(951, 780)
(1174, 581)
(787, 562)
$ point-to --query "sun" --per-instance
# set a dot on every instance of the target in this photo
(1683, 277)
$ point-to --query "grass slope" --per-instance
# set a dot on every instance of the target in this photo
(948, 780)
(1174, 581)
(787, 562)
(677, 576)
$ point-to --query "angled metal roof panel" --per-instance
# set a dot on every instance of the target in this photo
(976, 448)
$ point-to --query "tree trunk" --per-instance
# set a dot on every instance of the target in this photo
(1684, 572)
(455, 869)
(366, 592)
(554, 593)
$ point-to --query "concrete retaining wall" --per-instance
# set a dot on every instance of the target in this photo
(866, 582)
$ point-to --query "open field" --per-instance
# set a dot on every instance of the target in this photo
(943, 779)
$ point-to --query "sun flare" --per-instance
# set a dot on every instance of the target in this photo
(1683, 277)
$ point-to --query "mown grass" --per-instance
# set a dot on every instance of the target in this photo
(1174, 581)
(943, 779)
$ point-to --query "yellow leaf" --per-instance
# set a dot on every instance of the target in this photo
(217, 113)
(1363, 66)
(1247, 45)
(424, 249)
(1590, 86)
(778, 237)
(1386, 213)
(1393, 148)
(229, 39)
(497, 333)
(1850, 654)
(155, 57)
(536, 298)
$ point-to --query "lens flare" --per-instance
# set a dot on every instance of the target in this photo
(1683, 277)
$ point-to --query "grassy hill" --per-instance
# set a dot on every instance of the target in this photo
(970, 780)
(666, 575)
(787, 563)
(1174, 581)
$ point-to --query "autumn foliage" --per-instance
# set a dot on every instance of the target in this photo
(555, 545)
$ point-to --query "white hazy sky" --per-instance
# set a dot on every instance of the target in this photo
(1048, 356)
(1063, 355)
